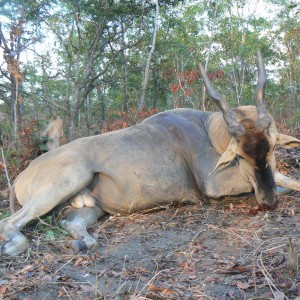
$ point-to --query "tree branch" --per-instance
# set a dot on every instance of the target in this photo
(141, 104)
(56, 105)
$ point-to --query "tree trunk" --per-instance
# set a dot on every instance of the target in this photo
(73, 124)
(203, 103)
(74, 113)
(16, 111)
(155, 79)
(87, 116)
(102, 108)
(212, 32)
(142, 103)
(124, 72)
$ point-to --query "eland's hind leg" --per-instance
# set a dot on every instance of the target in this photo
(41, 197)
(14, 241)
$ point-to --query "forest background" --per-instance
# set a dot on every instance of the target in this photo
(102, 65)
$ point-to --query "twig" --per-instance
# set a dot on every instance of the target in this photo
(67, 293)
(147, 285)
(5, 169)
(47, 294)
(65, 264)
(228, 231)
(262, 249)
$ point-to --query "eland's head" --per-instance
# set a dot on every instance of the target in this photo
(252, 140)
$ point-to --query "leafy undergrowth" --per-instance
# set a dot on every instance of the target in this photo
(17, 159)
(184, 252)
(119, 119)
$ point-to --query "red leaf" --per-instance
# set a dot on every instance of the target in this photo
(3, 291)
(242, 285)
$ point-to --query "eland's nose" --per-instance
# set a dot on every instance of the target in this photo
(270, 202)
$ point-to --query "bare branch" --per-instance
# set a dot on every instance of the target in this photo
(2, 38)
(54, 104)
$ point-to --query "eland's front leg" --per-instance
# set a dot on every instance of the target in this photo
(287, 182)
(76, 221)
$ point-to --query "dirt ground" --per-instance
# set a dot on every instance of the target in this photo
(228, 250)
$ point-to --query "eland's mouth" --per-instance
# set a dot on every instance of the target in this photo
(269, 204)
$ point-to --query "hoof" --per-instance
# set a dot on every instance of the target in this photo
(14, 246)
(78, 246)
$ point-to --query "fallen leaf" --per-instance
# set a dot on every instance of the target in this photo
(197, 248)
(163, 291)
(149, 296)
(183, 265)
(242, 285)
(26, 268)
(87, 288)
(78, 262)
(168, 292)
(210, 279)
(154, 288)
(3, 290)
(61, 292)
(141, 270)
(116, 274)
(49, 257)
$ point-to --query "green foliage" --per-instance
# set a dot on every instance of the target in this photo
(4, 214)
(48, 228)
(41, 143)
(82, 76)
(294, 120)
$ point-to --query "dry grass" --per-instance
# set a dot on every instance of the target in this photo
(179, 252)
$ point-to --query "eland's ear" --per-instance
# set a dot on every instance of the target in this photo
(228, 156)
(287, 141)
